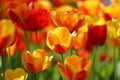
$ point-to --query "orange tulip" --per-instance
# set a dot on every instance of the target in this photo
(7, 33)
(36, 62)
(72, 19)
(75, 68)
(60, 39)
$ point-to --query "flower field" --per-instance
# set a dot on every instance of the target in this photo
(59, 39)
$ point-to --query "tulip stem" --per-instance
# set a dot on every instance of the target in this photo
(114, 63)
(119, 53)
(71, 51)
(26, 37)
(93, 65)
(9, 58)
(107, 76)
(4, 63)
(33, 76)
(62, 58)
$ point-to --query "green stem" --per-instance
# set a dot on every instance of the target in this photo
(119, 53)
(71, 51)
(26, 37)
(9, 59)
(93, 65)
(62, 56)
(35, 76)
(114, 68)
(107, 67)
(4, 63)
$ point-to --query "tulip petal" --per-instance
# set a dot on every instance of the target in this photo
(63, 71)
(51, 40)
(39, 58)
(63, 35)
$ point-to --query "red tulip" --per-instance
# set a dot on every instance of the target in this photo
(97, 34)
(37, 19)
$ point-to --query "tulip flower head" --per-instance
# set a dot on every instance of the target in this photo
(97, 34)
(15, 6)
(72, 19)
(36, 62)
(75, 68)
(17, 74)
(60, 39)
(38, 19)
(7, 33)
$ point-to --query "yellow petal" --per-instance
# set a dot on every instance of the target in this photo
(51, 40)
(17, 74)
(39, 58)
(64, 36)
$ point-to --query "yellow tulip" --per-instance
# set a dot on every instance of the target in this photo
(17, 74)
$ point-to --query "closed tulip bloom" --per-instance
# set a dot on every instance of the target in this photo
(97, 34)
(60, 40)
(7, 33)
(75, 68)
(17, 74)
(37, 61)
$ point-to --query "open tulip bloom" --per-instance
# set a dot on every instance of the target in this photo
(59, 39)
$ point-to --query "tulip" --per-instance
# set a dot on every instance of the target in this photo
(72, 19)
(7, 33)
(75, 68)
(89, 7)
(97, 34)
(38, 19)
(17, 74)
(20, 11)
(113, 7)
(36, 62)
(60, 40)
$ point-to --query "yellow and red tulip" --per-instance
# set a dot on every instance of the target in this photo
(86, 7)
(60, 40)
(75, 68)
(17, 74)
(36, 61)
(7, 33)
